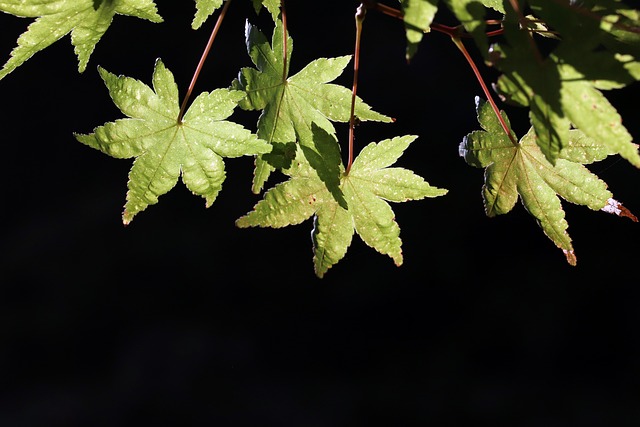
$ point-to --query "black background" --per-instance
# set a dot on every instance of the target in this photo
(182, 319)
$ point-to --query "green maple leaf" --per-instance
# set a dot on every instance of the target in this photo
(86, 20)
(563, 90)
(523, 170)
(165, 147)
(289, 105)
(367, 188)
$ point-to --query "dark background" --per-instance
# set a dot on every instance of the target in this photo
(182, 319)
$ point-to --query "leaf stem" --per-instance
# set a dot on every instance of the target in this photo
(387, 10)
(205, 53)
(361, 11)
(398, 14)
(485, 89)
(284, 41)
(455, 33)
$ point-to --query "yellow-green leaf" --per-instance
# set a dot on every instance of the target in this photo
(289, 105)
(522, 170)
(86, 20)
(367, 189)
(167, 148)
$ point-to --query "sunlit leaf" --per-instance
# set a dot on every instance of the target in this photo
(369, 186)
(204, 9)
(86, 20)
(522, 171)
(289, 105)
(167, 148)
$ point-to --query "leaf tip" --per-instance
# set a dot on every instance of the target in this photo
(104, 73)
(615, 207)
(571, 257)
(398, 259)
(127, 217)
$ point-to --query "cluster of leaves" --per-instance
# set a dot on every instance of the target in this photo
(555, 57)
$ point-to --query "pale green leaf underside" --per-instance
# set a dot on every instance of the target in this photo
(165, 149)
(57, 18)
(523, 171)
(367, 189)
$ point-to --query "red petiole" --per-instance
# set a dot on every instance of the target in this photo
(205, 53)
(456, 35)
(360, 14)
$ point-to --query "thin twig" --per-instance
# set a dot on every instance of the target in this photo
(284, 41)
(485, 89)
(361, 11)
(205, 53)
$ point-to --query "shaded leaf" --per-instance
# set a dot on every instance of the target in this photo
(563, 88)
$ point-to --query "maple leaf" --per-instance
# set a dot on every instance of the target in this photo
(563, 89)
(521, 169)
(367, 188)
(166, 147)
(86, 20)
(289, 105)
